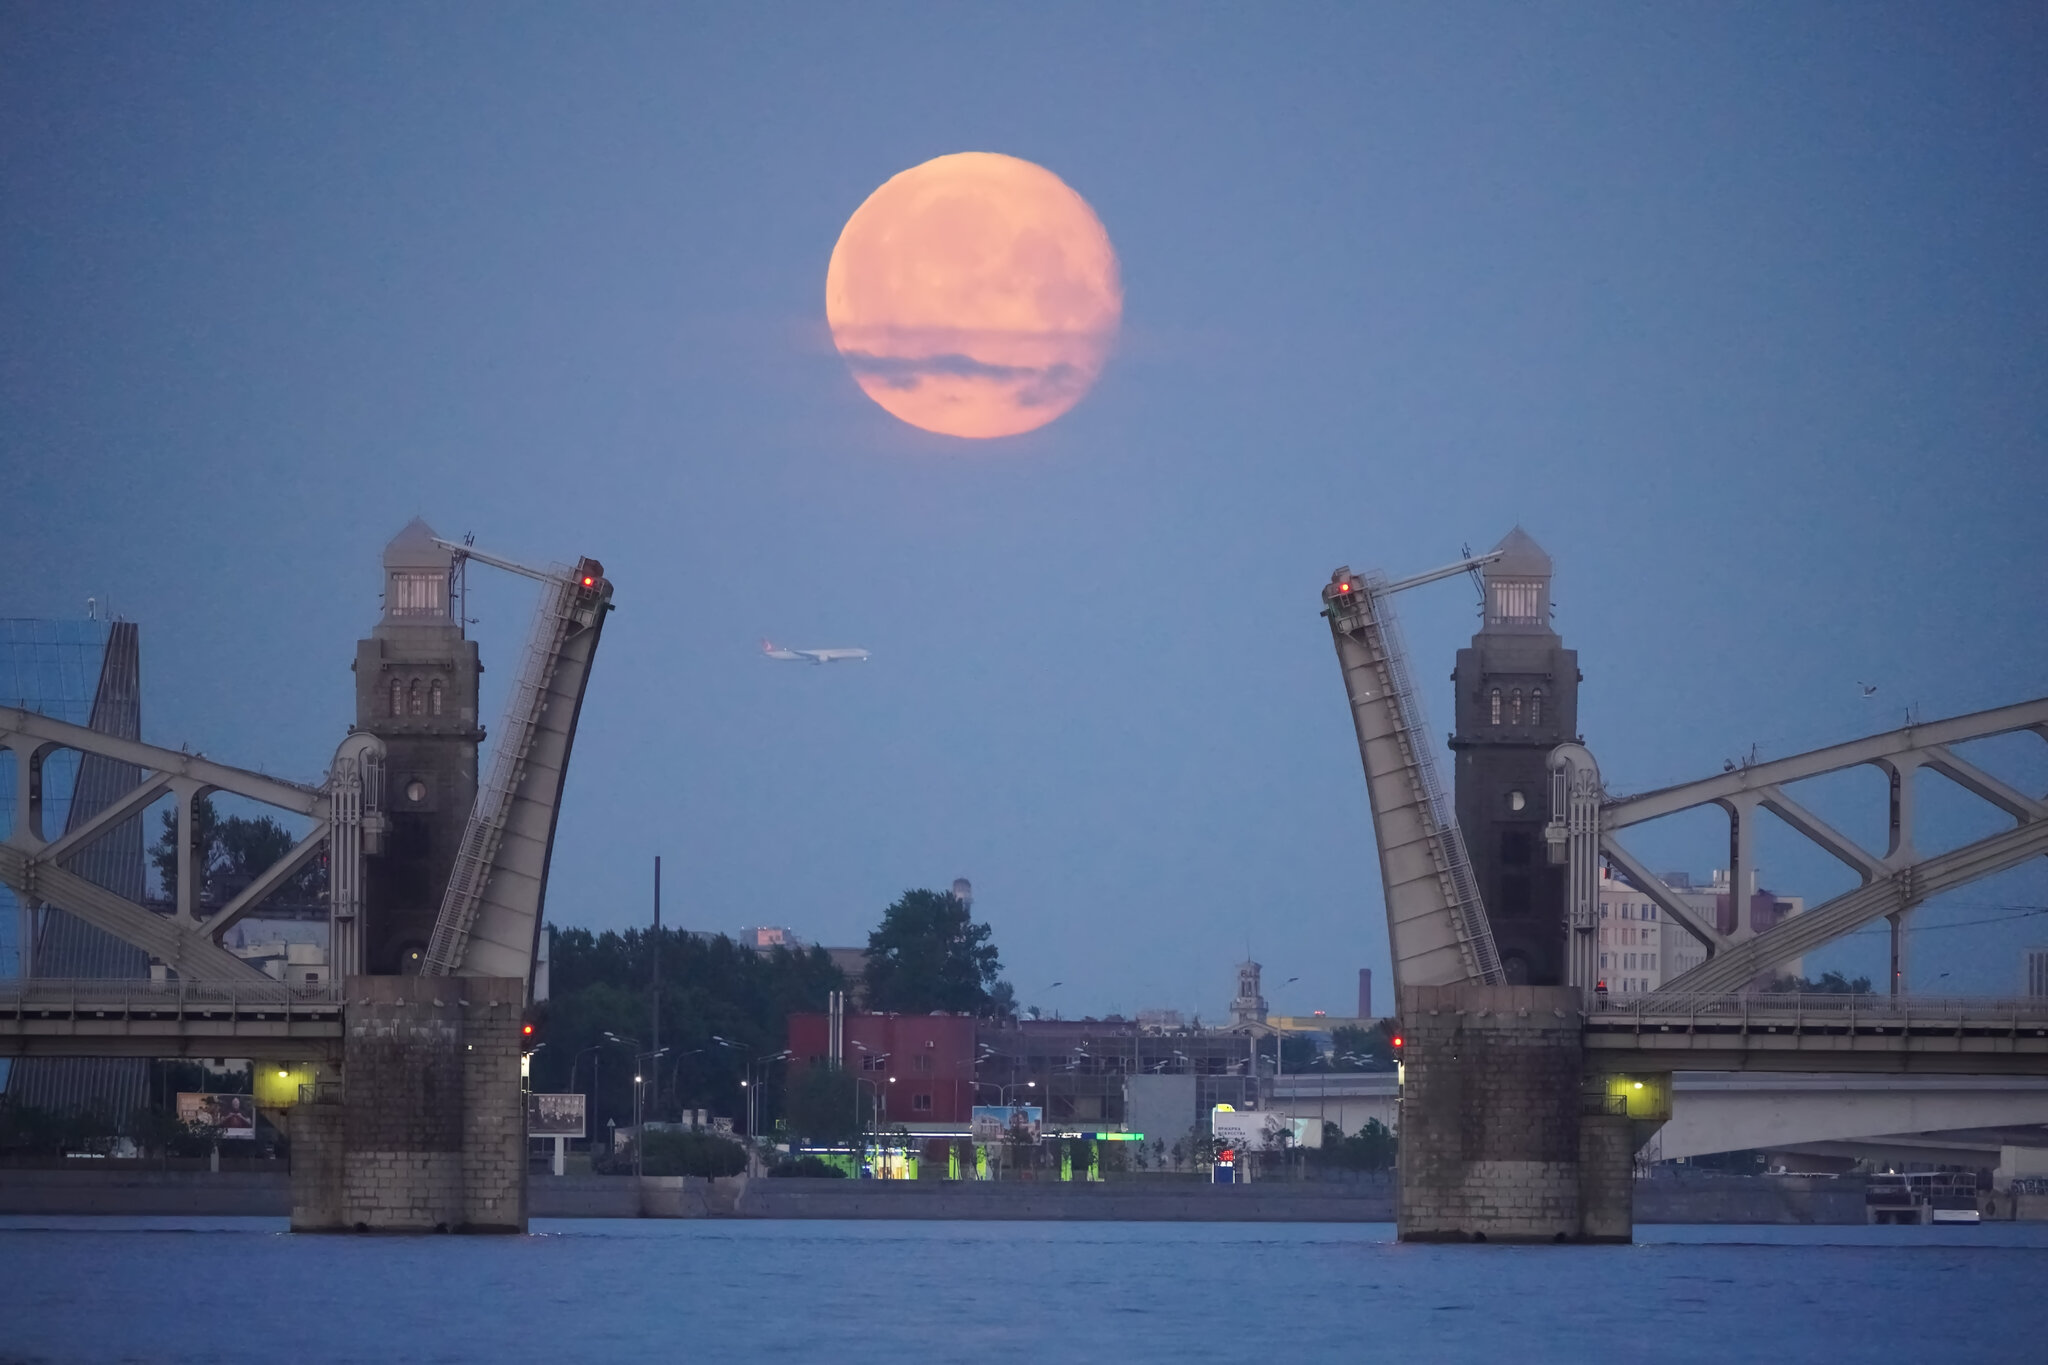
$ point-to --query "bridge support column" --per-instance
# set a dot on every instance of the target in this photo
(428, 1131)
(1494, 1142)
(1607, 1178)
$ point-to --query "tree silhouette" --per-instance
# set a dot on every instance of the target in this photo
(929, 954)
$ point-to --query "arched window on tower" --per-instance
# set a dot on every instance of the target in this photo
(1493, 706)
(1515, 707)
(397, 697)
(1535, 706)
(434, 697)
(416, 703)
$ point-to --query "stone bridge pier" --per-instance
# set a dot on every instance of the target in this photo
(1504, 1135)
(426, 1129)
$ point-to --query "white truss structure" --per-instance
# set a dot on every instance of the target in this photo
(1892, 883)
(187, 940)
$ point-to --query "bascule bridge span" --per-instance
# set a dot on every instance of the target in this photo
(416, 1116)
(1522, 1104)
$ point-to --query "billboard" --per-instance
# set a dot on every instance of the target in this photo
(996, 1122)
(1262, 1130)
(554, 1116)
(234, 1115)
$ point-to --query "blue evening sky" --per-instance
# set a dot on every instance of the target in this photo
(1737, 309)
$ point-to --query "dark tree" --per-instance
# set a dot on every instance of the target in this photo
(1373, 1148)
(827, 1106)
(229, 853)
(1299, 1053)
(929, 954)
(712, 989)
(1353, 1048)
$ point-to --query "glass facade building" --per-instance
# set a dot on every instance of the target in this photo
(85, 673)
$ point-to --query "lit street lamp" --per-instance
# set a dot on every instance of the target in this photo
(639, 1078)
(749, 1084)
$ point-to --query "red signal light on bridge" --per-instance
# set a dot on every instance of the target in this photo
(1398, 1040)
(526, 1030)
(589, 581)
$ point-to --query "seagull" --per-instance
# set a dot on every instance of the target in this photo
(1869, 689)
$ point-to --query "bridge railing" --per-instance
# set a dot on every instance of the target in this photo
(101, 993)
(1819, 1007)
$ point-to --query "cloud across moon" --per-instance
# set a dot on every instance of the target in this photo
(975, 295)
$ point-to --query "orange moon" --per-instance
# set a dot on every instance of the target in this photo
(975, 295)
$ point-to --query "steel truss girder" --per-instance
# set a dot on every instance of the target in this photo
(33, 865)
(190, 952)
(1891, 885)
(1733, 967)
(17, 725)
(1921, 742)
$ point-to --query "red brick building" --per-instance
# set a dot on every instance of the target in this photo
(922, 1065)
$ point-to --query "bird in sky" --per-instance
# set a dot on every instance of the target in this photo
(1869, 689)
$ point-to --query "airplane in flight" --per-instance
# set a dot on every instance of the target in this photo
(816, 656)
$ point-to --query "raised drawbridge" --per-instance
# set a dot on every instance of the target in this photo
(1436, 926)
(490, 918)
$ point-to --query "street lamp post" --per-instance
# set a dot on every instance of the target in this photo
(752, 1086)
(859, 1129)
(632, 1045)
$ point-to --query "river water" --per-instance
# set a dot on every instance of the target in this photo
(235, 1290)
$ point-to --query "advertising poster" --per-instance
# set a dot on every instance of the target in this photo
(554, 1116)
(997, 1122)
(234, 1115)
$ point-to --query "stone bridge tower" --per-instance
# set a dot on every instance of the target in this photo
(1517, 699)
(416, 689)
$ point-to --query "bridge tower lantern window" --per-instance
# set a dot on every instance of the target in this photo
(397, 697)
(415, 593)
(434, 692)
(1493, 707)
(415, 703)
(1536, 706)
(1515, 707)
(1515, 602)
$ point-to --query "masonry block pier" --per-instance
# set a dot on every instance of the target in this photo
(1496, 1143)
(425, 1132)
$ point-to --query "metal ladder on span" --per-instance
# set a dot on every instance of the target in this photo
(1454, 864)
(553, 620)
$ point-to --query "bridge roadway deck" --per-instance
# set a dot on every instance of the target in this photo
(1916, 1035)
(264, 1021)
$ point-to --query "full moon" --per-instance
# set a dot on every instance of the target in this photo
(975, 295)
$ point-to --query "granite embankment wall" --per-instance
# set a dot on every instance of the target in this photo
(1748, 1199)
(1716, 1199)
(145, 1193)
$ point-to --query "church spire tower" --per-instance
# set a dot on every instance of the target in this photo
(1517, 699)
(416, 689)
